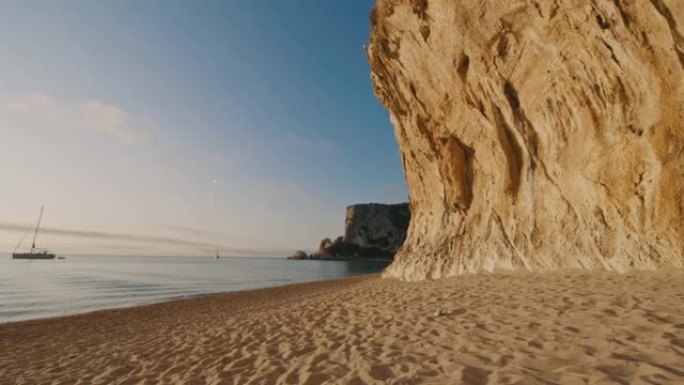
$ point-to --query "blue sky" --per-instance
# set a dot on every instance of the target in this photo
(248, 123)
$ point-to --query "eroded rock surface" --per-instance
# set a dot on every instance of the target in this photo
(535, 134)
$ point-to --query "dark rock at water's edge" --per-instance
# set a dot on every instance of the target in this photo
(341, 250)
(299, 254)
(372, 231)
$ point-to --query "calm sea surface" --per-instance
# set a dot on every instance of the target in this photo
(36, 289)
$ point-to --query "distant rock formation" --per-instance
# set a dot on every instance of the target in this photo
(535, 134)
(299, 254)
(371, 231)
(377, 225)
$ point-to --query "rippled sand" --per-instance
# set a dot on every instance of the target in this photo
(553, 328)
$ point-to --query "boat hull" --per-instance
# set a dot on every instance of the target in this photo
(33, 256)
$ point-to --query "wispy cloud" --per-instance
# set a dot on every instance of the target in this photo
(190, 230)
(267, 247)
(297, 140)
(148, 239)
(40, 110)
(104, 235)
(115, 122)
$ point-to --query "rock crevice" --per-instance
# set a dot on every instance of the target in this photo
(535, 134)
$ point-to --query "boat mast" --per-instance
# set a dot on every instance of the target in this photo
(35, 235)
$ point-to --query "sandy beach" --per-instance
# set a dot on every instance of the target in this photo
(568, 327)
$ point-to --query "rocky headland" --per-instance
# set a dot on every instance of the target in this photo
(535, 134)
(371, 231)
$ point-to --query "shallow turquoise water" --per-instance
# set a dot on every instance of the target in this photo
(36, 289)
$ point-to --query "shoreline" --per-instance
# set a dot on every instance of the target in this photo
(190, 297)
(136, 282)
(553, 327)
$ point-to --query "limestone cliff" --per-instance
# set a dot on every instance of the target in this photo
(371, 231)
(535, 134)
(377, 225)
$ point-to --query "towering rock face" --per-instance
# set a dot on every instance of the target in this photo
(377, 225)
(535, 134)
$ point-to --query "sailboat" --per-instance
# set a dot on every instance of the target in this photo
(217, 253)
(35, 253)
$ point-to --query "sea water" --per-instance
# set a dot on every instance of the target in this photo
(32, 289)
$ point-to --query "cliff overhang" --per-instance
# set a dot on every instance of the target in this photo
(537, 134)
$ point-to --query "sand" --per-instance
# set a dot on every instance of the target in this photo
(565, 327)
